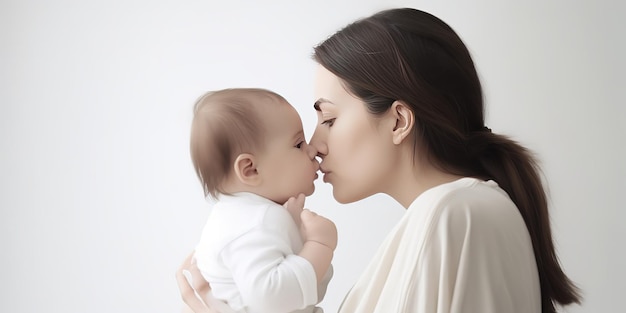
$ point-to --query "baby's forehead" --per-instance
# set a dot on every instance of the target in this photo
(269, 100)
(246, 101)
(279, 117)
(280, 108)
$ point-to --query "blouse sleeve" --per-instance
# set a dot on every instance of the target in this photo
(478, 258)
(460, 248)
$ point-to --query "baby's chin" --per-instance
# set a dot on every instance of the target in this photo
(309, 191)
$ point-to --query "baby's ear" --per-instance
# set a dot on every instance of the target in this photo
(245, 169)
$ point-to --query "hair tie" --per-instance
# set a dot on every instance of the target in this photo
(487, 129)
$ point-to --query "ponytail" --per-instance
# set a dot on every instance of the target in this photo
(517, 172)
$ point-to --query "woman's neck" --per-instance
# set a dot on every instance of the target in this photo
(413, 178)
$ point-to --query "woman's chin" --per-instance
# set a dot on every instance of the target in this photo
(344, 198)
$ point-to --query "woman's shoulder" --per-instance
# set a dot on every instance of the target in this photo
(465, 192)
(475, 234)
(466, 202)
(478, 209)
(473, 192)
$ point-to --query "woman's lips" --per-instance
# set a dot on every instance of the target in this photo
(324, 172)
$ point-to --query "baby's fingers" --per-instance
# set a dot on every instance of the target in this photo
(294, 206)
(296, 202)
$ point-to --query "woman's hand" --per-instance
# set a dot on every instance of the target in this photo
(194, 294)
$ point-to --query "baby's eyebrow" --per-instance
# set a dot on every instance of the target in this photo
(299, 134)
(319, 101)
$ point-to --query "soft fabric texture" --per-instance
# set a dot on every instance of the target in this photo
(248, 253)
(461, 247)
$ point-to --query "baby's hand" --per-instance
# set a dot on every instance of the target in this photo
(294, 206)
(319, 229)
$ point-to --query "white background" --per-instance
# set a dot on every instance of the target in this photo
(99, 202)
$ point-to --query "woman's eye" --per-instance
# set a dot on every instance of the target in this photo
(299, 145)
(329, 122)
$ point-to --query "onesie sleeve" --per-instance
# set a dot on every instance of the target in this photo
(270, 277)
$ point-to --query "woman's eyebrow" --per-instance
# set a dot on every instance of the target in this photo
(319, 101)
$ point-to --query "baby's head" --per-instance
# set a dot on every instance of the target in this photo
(247, 139)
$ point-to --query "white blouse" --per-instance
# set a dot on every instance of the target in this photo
(460, 247)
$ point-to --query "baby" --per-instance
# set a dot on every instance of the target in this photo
(250, 154)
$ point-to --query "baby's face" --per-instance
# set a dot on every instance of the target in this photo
(287, 163)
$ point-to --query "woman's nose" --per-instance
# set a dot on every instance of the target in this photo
(318, 145)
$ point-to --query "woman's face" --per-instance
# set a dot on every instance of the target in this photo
(355, 147)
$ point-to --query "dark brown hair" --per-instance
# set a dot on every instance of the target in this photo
(413, 56)
(225, 124)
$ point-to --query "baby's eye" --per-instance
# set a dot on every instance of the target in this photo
(329, 122)
(299, 145)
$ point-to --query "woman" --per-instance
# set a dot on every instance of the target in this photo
(400, 111)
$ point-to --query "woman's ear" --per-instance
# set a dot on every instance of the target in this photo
(405, 120)
(245, 169)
